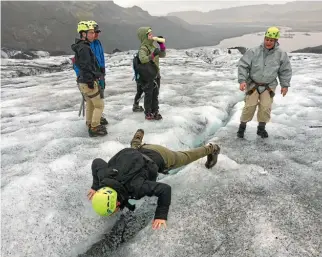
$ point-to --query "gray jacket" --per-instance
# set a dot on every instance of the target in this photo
(261, 65)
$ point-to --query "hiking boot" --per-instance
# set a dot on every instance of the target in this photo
(241, 130)
(157, 116)
(103, 121)
(137, 108)
(139, 134)
(213, 157)
(149, 116)
(100, 130)
(261, 131)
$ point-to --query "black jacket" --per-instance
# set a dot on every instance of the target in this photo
(133, 177)
(85, 59)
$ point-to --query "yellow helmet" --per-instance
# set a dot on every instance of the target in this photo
(84, 26)
(104, 201)
(273, 32)
(95, 25)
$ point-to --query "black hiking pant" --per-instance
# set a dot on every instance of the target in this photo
(151, 98)
(139, 92)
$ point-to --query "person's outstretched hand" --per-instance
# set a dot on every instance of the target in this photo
(90, 194)
(157, 223)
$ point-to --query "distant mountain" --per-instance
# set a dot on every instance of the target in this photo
(312, 50)
(299, 14)
(51, 26)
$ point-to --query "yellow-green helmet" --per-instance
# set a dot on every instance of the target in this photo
(95, 25)
(104, 201)
(273, 32)
(84, 26)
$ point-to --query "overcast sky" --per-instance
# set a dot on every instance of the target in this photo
(162, 7)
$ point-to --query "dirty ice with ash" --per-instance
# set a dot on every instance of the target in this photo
(263, 198)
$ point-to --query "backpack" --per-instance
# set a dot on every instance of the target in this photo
(135, 64)
(145, 72)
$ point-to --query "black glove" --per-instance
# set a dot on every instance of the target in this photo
(90, 84)
(156, 52)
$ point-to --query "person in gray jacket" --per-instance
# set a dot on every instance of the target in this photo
(258, 71)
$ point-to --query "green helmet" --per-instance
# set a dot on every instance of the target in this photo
(104, 201)
(273, 32)
(84, 26)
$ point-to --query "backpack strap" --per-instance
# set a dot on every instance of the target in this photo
(136, 60)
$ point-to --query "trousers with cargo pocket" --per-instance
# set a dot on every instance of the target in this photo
(94, 104)
(264, 102)
(173, 159)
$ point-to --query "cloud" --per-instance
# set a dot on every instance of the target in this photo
(155, 7)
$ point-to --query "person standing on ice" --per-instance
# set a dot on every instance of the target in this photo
(98, 50)
(132, 174)
(149, 73)
(258, 71)
(87, 79)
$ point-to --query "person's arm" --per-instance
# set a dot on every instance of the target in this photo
(102, 55)
(97, 165)
(285, 71)
(163, 52)
(163, 192)
(84, 62)
(144, 55)
(244, 65)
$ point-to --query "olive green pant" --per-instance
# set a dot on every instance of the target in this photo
(174, 159)
(94, 104)
(263, 101)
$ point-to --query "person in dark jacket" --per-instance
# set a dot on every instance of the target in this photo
(132, 174)
(89, 74)
(149, 82)
(98, 50)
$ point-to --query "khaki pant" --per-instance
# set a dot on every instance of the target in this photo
(264, 102)
(173, 159)
(94, 104)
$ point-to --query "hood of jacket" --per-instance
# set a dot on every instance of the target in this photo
(143, 36)
(79, 43)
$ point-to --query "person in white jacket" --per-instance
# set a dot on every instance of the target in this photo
(258, 71)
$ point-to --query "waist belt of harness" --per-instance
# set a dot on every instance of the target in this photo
(251, 91)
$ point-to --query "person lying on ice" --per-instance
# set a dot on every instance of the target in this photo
(132, 174)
